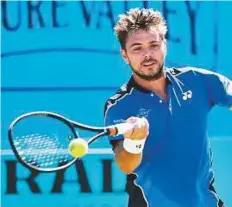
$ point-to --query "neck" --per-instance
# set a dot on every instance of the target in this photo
(157, 86)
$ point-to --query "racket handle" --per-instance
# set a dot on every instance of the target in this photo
(119, 129)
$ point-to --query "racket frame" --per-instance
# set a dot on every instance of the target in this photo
(102, 131)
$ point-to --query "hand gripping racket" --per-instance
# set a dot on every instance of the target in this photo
(40, 139)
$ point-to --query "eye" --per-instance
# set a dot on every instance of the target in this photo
(155, 46)
(137, 49)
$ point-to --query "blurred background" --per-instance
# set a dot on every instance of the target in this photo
(62, 56)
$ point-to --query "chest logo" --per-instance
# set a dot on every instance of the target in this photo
(187, 95)
(144, 112)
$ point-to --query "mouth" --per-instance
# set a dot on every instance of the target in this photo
(149, 63)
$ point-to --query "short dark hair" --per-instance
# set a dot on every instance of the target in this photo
(136, 19)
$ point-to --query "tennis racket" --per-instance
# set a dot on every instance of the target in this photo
(40, 139)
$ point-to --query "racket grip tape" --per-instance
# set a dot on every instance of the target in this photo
(119, 129)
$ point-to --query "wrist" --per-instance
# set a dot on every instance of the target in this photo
(134, 146)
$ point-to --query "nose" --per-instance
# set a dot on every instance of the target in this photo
(147, 53)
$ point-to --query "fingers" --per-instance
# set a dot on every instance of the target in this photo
(140, 129)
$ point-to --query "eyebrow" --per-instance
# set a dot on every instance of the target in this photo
(138, 44)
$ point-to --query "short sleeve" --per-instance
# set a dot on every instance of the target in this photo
(113, 115)
(220, 88)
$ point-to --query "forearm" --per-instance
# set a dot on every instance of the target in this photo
(126, 161)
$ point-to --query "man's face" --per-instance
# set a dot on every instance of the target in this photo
(145, 52)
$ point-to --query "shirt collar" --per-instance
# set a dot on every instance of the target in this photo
(134, 84)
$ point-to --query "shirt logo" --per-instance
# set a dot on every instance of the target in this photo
(119, 121)
(187, 95)
(143, 112)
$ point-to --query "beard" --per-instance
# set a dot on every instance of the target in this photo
(154, 76)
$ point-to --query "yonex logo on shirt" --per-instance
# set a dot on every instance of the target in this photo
(187, 95)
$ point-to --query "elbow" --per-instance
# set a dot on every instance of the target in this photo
(127, 169)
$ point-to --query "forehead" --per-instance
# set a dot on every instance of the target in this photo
(143, 36)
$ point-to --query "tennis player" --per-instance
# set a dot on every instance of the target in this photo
(168, 161)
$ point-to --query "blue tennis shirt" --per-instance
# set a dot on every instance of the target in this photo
(176, 167)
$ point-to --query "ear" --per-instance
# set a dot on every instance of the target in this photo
(124, 56)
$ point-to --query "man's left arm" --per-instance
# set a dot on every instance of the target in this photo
(220, 89)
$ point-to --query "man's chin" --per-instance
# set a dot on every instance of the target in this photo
(150, 77)
(152, 73)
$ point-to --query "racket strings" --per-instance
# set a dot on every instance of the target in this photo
(41, 150)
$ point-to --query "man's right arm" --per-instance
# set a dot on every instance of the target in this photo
(127, 157)
(126, 161)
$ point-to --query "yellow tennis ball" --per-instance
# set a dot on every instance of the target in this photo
(78, 147)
